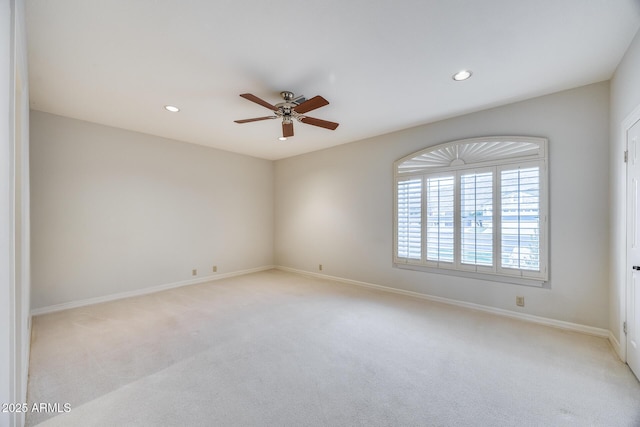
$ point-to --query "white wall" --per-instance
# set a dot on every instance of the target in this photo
(334, 207)
(14, 210)
(6, 281)
(116, 211)
(625, 97)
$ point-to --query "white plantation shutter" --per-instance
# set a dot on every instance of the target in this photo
(476, 211)
(409, 219)
(520, 218)
(440, 219)
(475, 207)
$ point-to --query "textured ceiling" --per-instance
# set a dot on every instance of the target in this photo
(384, 65)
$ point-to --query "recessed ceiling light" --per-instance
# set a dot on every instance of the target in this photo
(462, 75)
(282, 138)
(171, 108)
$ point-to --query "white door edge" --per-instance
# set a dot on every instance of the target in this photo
(627, 124)
(624, 301)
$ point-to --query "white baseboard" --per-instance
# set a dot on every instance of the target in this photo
(590, 330)
(144, 291)
(613, 340)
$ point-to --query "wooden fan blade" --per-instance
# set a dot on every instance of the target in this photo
(255, 119)
(317, 122)
(311, 104)
(287, 129)
(257, 100)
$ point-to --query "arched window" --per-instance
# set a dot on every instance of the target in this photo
(477, 207)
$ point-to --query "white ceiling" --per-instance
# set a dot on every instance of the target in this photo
(384, 65)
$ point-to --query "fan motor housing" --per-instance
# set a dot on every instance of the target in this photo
(286, 95)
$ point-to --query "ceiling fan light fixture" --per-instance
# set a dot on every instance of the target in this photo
(292, 108)
(171, 108)
(462, 75)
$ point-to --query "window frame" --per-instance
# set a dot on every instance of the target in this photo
(463, 157)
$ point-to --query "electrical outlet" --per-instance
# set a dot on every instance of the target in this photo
(194, 272)
(320, 267)
(520, 301)
(215, 268)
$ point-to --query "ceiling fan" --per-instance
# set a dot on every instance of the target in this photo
(292, 108)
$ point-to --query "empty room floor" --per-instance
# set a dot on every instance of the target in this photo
(277, 348)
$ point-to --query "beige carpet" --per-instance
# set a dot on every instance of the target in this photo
(279, 349)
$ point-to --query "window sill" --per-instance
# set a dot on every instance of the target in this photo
(538, 283)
